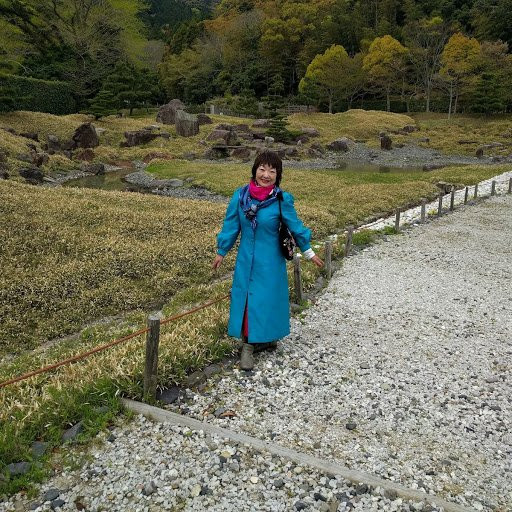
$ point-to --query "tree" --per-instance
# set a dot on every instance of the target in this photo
(385, 62)
(329, 76)
(426, 39)
(488, 97)
(459, 60)
(6, 94)
(103, 104)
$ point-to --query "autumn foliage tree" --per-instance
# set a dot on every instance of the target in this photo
(385, 63)
(459, 61)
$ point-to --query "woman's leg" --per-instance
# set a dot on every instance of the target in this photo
(246, 358)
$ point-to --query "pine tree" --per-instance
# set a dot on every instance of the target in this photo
(103, 104)
(7, 94)
(488, 97)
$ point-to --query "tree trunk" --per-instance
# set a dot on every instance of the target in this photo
(456, 101)
(388, 102)
(330, 102)
(451, 97)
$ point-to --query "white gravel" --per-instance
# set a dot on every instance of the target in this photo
(401, 369)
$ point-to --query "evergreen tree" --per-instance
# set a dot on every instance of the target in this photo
(7, 94)
(103, 104)
(488, 97)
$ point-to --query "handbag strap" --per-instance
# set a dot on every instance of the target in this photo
(279, 199)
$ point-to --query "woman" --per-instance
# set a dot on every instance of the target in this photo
(259, 310)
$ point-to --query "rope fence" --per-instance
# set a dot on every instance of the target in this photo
(155, 322)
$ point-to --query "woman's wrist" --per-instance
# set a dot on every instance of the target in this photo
(308, 254)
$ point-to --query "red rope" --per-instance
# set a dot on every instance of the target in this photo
(104, 347)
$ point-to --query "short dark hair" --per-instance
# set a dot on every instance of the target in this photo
(270, 158)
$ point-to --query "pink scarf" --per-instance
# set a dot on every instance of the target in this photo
(259, 193)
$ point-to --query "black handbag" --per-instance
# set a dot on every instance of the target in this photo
(287, 243)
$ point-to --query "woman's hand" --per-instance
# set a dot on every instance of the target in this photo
(217, 261)
(317, 261)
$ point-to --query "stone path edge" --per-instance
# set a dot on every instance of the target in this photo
(357, 477)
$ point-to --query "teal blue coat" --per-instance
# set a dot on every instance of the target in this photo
(260, 277)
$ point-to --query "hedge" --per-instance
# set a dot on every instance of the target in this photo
(40, 95)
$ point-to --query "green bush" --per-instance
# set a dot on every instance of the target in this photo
(39, 95)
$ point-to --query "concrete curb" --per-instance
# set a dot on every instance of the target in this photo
(358, 477)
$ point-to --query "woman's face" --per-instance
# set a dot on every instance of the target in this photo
(265, 175)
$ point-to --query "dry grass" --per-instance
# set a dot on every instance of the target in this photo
(445, 134)
(355, 124)
(69, 256)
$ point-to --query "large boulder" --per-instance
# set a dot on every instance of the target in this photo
(341, 144)
(138, 137)
(186, 124)
(53, 144)
(385, 142)
(32, 175)
(30, 135)
(261, 123)
(167, 113)
(242, 153)
(310, 132)
(97, 169)
(204, 119)
(4, 171)
(226, 137)
(85, 136)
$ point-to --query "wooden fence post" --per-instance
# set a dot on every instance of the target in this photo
(475, 195)
(440, 205)
(466, 192)
(151, 368)
(297, 280)
(493, 188)
(397, 220)
(423, 210)
(348, 243)
(328, 259)
(452, 199)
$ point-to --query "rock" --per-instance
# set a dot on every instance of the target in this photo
(148, 489)
(85, 136)
(138, 137)
(86, 155)
(32, 174)
(156, 155)
(4, 173)
(278, 483)
(318, 147)
(167, 113)
(479, 152)
(165, 135)
(241, 153)
(342, 144)
(467, 141)
(431, 167)
(195, 491)
(424, 139)
(212, 369)
(361, 489)
(34, 505)
(319, 497)
(300, 505)
(18, 468)
(351, 425)
(186, 124)
(55, 504)
(291, 152)
(261, 123)
(269, 141)
(409, 128)
(204, 119)
(302, 139)
(491, 380)
(97, 169)
(310, 132)
(51, 494)
(242, 128)
(175, 182)
(258, 135)
(227, 137)
(30, 135)
(214, 154)
(72, 433)
(196, 378)
(254, 479)
(226, 126)
(314, 153)
(38, 449)
(385, 142)
(444, 186)
(364, 366)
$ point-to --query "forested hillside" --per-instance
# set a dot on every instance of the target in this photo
(390, 54)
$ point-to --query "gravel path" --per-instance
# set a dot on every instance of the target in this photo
(401, 369)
